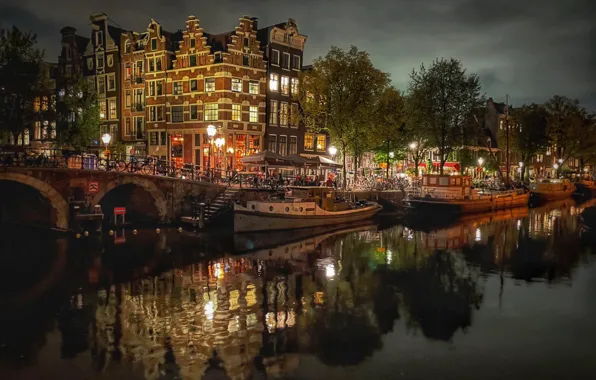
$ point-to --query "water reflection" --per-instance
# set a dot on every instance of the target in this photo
(334, 295)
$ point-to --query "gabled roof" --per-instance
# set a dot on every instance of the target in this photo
(219, 42)
(81, 43)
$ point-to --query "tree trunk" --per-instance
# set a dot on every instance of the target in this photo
(387, 175)
(442, 162)
(345, 172)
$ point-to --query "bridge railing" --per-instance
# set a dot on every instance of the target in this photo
(65, 159)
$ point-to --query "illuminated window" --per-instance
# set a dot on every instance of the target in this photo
(101, 84)
(211, 112)
(293, 148)
(283, 114)
(209, 84)
(272, 140)
(102, 109)
(112, 109)
(283, 145)
(273, 110)
(236, 85)
(308, 142)
(111, 82)
(254, 114)
(178, 88)
(321, 143)
(285, 85)
(295, 82)
(274, 82)
(253, 87)
(236, 112)
(37, 104)
(194, 114)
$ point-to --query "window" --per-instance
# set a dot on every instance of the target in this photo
(100, 64)
(194, 85)
(275, 57)
(296, 62)
(217, 58)
(127, 98)
(192, 43)
(110, 60)
(192, 60)
(295, 82)
(283, 145)
(139, 69)
(246, 42)
(211, 112)
(285, 61)
(245, 60)
(139, 132)
(308, 141)
(151, 66)
(91, 83)
(236, 112)
(102, 109)
(283, 114)
(272, 139)
(321, 143)
(273, 111)
(127, 70)
(127, 126)
(44, 103)
(294, 114)
(253, 87)
(178, 88)
(236, 85)
(154, 44)
(194, 114)
(293, 148)
(254, 114)
(139, 100)
(153, 138)
(36, 104)
(274, 82)
(285, 85)
(153, 113)
(209, 84)
(101, 84)
(155, 88)
(112, 82)
(99, 38)
(112, 109)
(162, 138)
(160, 113)
(177, 114)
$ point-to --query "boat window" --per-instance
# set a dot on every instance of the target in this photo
(301, 209)
(253, 207)
(270, 208)
(458, 181)
(452, 180)
(433, 180)
(287, 209)
(444, 181)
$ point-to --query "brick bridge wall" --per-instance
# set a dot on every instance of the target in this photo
(57, 185)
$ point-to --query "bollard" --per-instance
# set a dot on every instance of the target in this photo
(201, 215)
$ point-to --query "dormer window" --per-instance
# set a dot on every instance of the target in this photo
(192, 43)
(99, 38)
(218, 58)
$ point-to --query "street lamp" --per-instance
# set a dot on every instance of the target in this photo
(480, 161)
(332, 150)
(219, 142)
(211, 131)
(413, 145)
(106, 138)
(391, 155)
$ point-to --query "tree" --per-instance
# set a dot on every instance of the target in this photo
(23, 74)
(529, 135)
(443, 98)
(389, 127)
(569, 128)
(416, 143)
(77, 114)
(337, 96)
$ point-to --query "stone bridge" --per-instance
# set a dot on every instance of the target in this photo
(148, 198)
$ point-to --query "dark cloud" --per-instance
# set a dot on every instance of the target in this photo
(528, 49)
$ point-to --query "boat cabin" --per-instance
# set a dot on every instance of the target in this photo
(549, 185)
(324, 197)
(446, 186)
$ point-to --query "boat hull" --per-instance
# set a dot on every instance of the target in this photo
(245, 221)
(585, 189)
(461, 206)
(547, 196)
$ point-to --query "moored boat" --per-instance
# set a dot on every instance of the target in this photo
(454, 194)
(551, 189)
(586, 187)
(301, 207)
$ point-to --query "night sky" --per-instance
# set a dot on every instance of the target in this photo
(528, 49)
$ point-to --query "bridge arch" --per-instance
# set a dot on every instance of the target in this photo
(59, 205)
(144, 183)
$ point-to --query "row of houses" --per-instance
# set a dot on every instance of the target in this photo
(159, 91)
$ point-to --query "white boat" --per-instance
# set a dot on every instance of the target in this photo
(551, 189)
(454, 194)
(301, 207)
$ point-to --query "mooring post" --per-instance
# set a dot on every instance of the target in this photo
(201, 215)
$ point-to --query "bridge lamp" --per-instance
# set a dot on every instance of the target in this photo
(211, 130)
(332, 150)
(560, 161)
(106, 138)
(521, 164)
(480, 161)
(219, 142)
(555, 166)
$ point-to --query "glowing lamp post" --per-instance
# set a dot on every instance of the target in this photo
(219, 142)
(211, 131)
(106, 138)
(480, 162)
(413, 145)
(332, 151)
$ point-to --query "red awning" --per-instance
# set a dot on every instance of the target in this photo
(451, 165)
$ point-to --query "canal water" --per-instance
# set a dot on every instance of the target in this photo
(509, 295)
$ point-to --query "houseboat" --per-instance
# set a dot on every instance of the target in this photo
(551, 190)
(455, 194)
(301, 207)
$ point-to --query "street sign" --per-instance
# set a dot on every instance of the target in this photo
(92, 187)
(119, 210)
